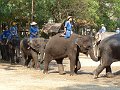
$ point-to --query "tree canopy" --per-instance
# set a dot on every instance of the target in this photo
(94, 11)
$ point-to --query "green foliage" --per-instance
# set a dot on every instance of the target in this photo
(95, 11)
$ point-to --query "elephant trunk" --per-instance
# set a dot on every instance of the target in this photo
(92, 56)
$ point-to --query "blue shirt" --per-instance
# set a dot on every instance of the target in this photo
(34, 30)
(13, 31)
(102, 30)
(68, 26)
(5, 35)
(117, 31)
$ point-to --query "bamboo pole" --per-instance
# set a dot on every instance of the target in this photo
(32, 12)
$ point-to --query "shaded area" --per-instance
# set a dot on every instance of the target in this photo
(89, 87)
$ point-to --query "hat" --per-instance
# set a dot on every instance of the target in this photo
(14, 23)
(33, 23)
(102, 24)
(69, 17)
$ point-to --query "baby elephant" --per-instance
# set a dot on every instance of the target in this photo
(30, 51)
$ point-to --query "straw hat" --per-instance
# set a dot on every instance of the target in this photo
(33, 23)
(69, 17)
(14, 23)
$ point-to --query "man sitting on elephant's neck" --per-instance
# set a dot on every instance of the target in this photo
(33, 32)
(68, 28)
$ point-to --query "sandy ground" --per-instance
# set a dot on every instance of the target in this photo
(17, 77)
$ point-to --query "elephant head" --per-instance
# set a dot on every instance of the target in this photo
(38, 46)
(86, 46)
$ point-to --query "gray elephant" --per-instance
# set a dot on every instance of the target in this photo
(36, 47)
(109, 52)
(59, 48)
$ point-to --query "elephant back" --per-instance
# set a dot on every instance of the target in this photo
(58, 41)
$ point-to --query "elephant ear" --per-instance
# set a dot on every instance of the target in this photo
(78, 40)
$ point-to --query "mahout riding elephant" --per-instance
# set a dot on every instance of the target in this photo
(59, 48)
(36, 47)
(14, 50)
(109, 52)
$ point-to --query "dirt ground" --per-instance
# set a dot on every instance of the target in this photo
(17, 77)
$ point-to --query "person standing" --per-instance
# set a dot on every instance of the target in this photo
(117, 30)
(99, 36)
(4, 38)
(101, 32)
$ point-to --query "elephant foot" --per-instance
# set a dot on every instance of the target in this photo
(109, 75)
(72, 74)
(95, 76)
(61, 69)
(76, 70)
(62, 73)
(13, 63)
(45, 72)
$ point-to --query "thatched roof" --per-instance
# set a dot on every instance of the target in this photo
(51, 27)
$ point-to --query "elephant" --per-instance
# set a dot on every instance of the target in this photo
(109, 50)
(14, 50)
(36, 47)
(59, 48)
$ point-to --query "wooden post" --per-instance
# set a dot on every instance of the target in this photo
(32, 12)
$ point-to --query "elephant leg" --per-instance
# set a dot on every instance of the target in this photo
(24, 58)
(17, 55)
(78, 64)
(98, 71)
(60, 66)
(28, 60)
(109, 72)
(72, 58)
(12, 54)
(35, 60)
(47, 60)
(32, 64)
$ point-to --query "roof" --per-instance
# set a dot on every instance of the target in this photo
(51, 27)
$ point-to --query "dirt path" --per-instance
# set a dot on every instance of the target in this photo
(17, 77)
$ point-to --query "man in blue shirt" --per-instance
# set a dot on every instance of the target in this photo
(103, 29)
(4, 38)
(68, 27)
(33, 31)
(118, 30)
(6, 35)
(14, 30)
(100, 33)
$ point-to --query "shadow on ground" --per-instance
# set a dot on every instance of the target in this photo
(89, 87)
